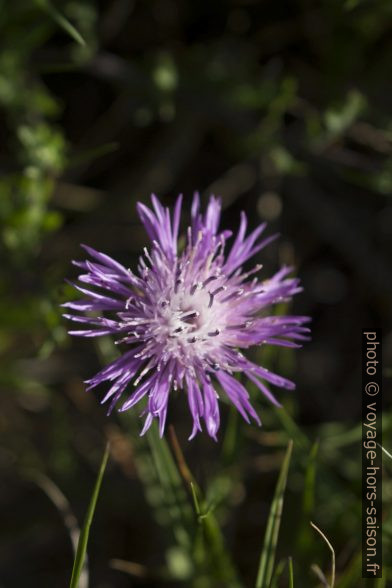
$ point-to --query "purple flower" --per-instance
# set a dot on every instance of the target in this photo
(185, 317)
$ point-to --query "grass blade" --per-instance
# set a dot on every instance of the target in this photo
(209, 548)
(385, 451)
(89, 155)
(291, 573)
(61, 21)
(84, 534)
(292, 429)
(332, 583)
(267, 559)
(212, 543)
(54, 493)
(175, 500)
(230, 439)
(278, 573)
(310, 479)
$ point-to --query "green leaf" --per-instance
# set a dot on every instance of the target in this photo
(385, 451)
(211, 544)
(291, 573)
(339, 119)
(208, 550)
(61, 21)
(267, 558)
(173, 493)
(84, 534)
(278, 572)
(330, 547)
(310, 479)
(230, 439)
(90, 155)
(292, 429)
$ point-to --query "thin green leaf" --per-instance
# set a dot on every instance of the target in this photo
(209, 548)
(211, 543)
(318, 572)
(92, 154)
(385, 451)
(84, 534)
(333, 566)
(195, 499)
(310, 479)
(230, 444)
(278, 571)
(61, 20)
(291, 573)
(267, 558)
(165, 495)
(347, 437)
(292, 429)
(174, 496)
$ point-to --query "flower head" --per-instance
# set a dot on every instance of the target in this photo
(185, 317)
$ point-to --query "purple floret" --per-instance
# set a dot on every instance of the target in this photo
(185, 317)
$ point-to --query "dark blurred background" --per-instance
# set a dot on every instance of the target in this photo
(281, 108)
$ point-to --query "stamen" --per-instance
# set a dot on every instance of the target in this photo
(209, 260)
(197, 286)
(235, 294)
(208, 280)
(239, 326)
(252, 271)
(190, 315)
(220, 289)
(214, 293)
(214, 333)
(146, 253)
(179, 281)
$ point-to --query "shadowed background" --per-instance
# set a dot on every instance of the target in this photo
(281, 108)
